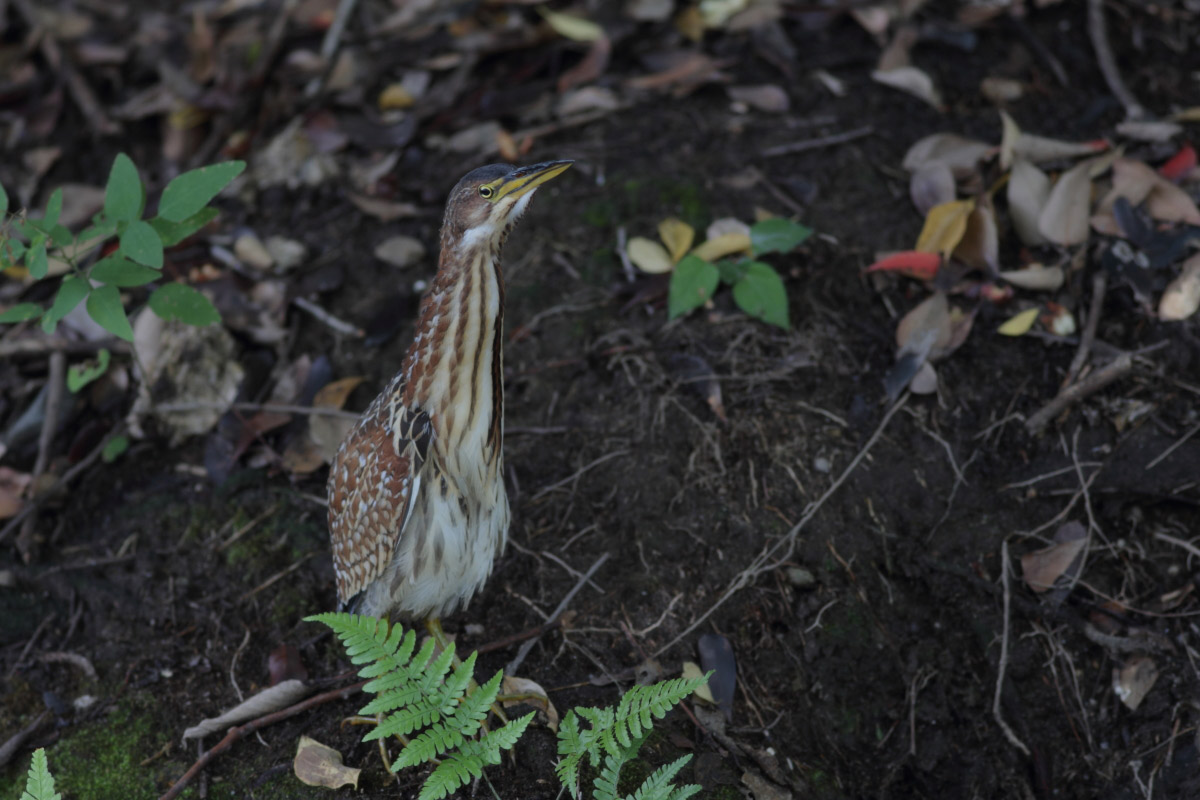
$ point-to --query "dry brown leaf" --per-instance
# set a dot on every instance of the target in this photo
(1028, 190)
(957, 152)
(931, 185)
(12, 490)
(927, 327)
(1064, 218)
(1138, 183)
(912, 80)
(318, 765)
(533, 694)
(979, 246)
(302, 456)
(945, 226)
(896, 54)
(769, 98)
(1035, 277)
(1016, 144)
(1134, 681)
(678, 236)
(383, 210)
(1182, 295)
(1042, 568)
(689, 72)
(395, 96)
(590, 67)
(588, 98)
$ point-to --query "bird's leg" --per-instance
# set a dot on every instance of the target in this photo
(383, 755)
(434, 626)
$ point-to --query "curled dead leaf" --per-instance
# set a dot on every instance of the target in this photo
(318, 765)
(523, 690)
(931, 185)
(1134, 681)
(1042, 568)
(957, 152)
(913, 80)
(1027, 191)
(1138, 183)
(1064, 218)
(1182, 295)
(979, 247)
(1035, 277)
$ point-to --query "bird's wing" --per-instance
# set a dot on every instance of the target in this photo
(372, 485)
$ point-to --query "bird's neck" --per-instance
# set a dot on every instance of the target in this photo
(454, 367)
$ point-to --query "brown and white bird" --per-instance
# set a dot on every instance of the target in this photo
(417, 506)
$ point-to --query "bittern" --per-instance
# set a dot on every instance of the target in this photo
(417, 506)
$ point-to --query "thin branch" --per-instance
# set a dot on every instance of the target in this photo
(1097, 30)
(819, 142)
(1003, 666)
(1099, 286)
(1117, 368)
(511, 669)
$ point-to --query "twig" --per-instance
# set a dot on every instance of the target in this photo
(271, 580)
(1195, 429)
(760, 563)
(329, 46)
(1102, 377)
(250, 727)
(1191, 548)
(574, 572)
(1003, 666)
(511, 669)
(578, 473)
(1099, 285)
(819, 142)
(270, 408)
(55, 382)
(1097, 30)
(40, 346)
(509, 641)
(342, 327)
(59, 484)
(10, 747)
(81, 93)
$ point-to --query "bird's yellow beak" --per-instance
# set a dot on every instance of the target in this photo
(525, 179)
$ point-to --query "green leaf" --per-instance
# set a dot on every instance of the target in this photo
(760, 293)
(141, 243)
(191, 191)
(104, 306)
(102, 229)
(115, 448)
(70, 294)
(40, 784)
(172, 233)
(118, 271)
(21, 312)
(692, 284)
(61, 236)
(80, 375)
(124, 195)
(731, 271)
(14, 249)
(35, 258)
(177, 301)
(777, 235)
(54, 207)
(3, 201)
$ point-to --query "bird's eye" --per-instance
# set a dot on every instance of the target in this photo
(485, 192)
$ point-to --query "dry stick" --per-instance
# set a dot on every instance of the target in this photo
(10, 747)
(1195, 429)
(19, 348)
(759, 565)
(1116, 368)
(81, 93)
(59, 484)
(525, 648)
(819, 142)
(329, 47)
(252, 726)
(1099, 286)
(341, 326)
(1097, 31)
(1003, 666)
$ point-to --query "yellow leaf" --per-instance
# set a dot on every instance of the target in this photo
(395, 96)
(1020, 324)
(723, 245)
(1187, 115)
(649, 256)
(572, 27)
(692, 670)
(945, 226)
(677, 235)
(335, 393)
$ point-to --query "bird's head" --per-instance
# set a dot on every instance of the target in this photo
(487, 201)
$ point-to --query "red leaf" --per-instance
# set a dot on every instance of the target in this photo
(1179, 164)
(922, 266)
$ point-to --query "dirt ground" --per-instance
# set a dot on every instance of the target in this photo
(868, 659)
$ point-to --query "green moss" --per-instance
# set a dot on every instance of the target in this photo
(101, 760)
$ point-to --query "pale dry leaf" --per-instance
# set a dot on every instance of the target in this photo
(1182, 296)
(979, 246)
(1059, 320)
(1134, 681)
(1028, 190)
(1035, 277)
(717, 12)
(945, 226)
(1039, 149)
(12, 491)
(724, 245)
(577, 29)
(251, 251)
(588, 98)
(677, 235)
(400, 251)
(1138, 184)
(1149, 130)
(834, 85)
(318, 765)
(1019, 324)
(691, 671)
(925, 381)
(532, 693)
(1000, 91)
(269, 700)
(649, 256)
(1064, 218)
(649, 10)
(896, 54)
(769, 98)
(720, 227)
(931, 185)
(929, 323)
(1042, 568)
(381, 209)
(957, 152)
(912, 80)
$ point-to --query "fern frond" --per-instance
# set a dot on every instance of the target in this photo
(684, 792)
(604, 787)
(571, 747)
(433, 742)
(468, 761)
(473, 709)
(658, 785)
(40, 784)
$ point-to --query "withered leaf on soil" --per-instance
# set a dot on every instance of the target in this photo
(769, 98)
(589, 68)
(922, 266)
(1134, 681)
(912, 80)
(927, 327)
(649, 256)
(1138, 183)
(677, 235)
(691, 671)
(1041, 569)
(945, 226)
(1064, 218)
(284, 664)
(318, 765)
(979, 247)
(957, 152)
(1016, 144)
(381, 209)
(267, 701)
(533, 694)
(400, 251)
(1182, 296)
(1019, 324)
(1035, 277)
(12, 490)
(931, 185)
(1028, 190)
(726, 244)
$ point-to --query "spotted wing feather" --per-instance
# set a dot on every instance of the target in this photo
(372, 485)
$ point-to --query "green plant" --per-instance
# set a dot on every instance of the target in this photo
(426, 695)
(40, 783)
(614, 738)
(136, 260)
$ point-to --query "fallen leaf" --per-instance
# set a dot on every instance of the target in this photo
(999, 91)
(763, 789)
(252, 252)
(720, 227)
(1149, 130)
(1179, 165)
(400, 251)
(381, 209)
(962, 155)
(925, 381)
(914, 264)
(691, 671)
(945, 226)
(1058, 319)
(590, 67)
(1064, 218)
(532, 693)
(724, 245)
(979, 247)
(284, 664)
(12, 491)
(677, 235)
(1182, 296)
(588, 98)
(769, 98)
(717, 12)
(274, 698)
(912, 80)
(318, 765)
(1134, 680)
(931, 185)
(575, 28)
(1035, 277)
(1027, 191)
(1019, 324)
(649, 256)
(1042, 568)
(395, 96)
(1016, 144)
(927, 327)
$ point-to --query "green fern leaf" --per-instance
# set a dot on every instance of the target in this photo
(684, 792)
(604, 787)
(433, 742)
(469, 760)
(40, 784)
(658, 785)
(473, 709)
